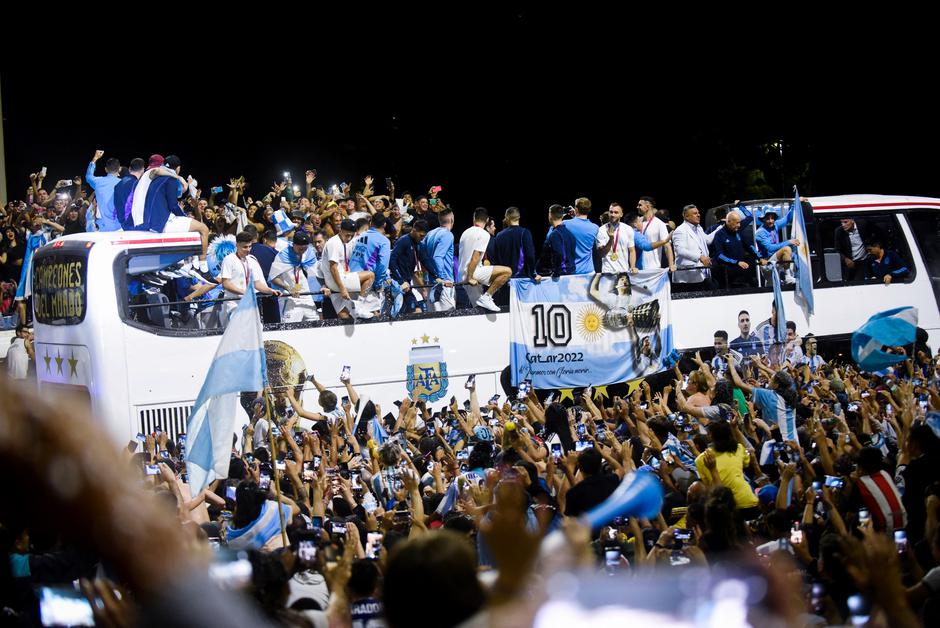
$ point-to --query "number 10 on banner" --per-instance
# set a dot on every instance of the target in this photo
(552, 325)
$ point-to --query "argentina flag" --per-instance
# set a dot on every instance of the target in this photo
(238, 365)
(804, 270)
(580, 330)
(893, 328)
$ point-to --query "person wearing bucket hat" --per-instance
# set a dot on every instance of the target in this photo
(769, 244)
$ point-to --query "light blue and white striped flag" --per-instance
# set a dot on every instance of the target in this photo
(894, 328)
(804, 270)
(781, 329)
(238, 365)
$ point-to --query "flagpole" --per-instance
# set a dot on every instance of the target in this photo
(276, 477)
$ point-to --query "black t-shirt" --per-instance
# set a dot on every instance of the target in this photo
(589, 493)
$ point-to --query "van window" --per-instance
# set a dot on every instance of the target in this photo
(834, 244)
(925, 224)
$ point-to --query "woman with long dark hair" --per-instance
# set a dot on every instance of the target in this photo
(777, 404)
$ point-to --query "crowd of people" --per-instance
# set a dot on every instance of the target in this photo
(822, 478)
(358, 253)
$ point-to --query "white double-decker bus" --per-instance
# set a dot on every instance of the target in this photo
(140, 365)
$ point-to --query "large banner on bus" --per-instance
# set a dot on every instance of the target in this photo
(581, 330)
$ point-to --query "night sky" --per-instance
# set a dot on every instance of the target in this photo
(523, 120)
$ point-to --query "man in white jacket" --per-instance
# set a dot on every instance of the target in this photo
(690, 243)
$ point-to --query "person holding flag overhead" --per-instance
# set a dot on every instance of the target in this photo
(777, 404)
(289, 271)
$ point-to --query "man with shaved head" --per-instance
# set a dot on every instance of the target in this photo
(731, 255)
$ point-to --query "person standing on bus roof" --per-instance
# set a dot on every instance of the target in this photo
(340, 278)
(690, 244)
(104, 193)
(405, 267)
(156, 207)
(558, 252)
(289, 271)
(124, 190)
(654, 229)
(265, 252)
(614, 242)
(238, 269)
(437, 251)
(585, 233)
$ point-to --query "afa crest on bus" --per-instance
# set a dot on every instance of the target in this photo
(426, 371)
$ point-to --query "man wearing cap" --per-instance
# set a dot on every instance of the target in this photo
(769, 244)
(340, 279)
(289, 271)
(156, 207)
(20, 353)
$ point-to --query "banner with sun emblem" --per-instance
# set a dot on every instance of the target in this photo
(581, 330)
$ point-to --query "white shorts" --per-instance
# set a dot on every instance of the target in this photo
(177, 224)
(483, 274)
(350, 281)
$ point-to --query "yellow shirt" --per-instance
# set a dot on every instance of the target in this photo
(731, 471)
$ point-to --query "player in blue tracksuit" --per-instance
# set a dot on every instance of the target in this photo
(437, 255)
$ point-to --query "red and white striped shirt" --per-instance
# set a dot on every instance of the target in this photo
(883, 500)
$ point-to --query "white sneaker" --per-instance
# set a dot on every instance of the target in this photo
(486, 302)
(788, 278)
(362, 311)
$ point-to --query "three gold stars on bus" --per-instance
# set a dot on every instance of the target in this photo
(425, 339)
(73, 363)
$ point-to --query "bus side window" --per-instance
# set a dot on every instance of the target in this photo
(925, 225)
(882, 227)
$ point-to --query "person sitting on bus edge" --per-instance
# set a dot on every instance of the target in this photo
(124, 190)
(885, 265)
(372, 253)
(437, 251)
(104, 193)
(238, 269)
(771, 248)
(340, 279)
(558, 252)
(747, 343)
(811, 358)
(642, 243)
(289, 271)
(655, 229)
(690, 245)
(156, 205)
(615, 243)
(731, 254)
(585, 233)
(473, 243)
(850, 238)
(405, 266)
(512, 247)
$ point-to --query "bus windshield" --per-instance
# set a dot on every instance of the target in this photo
(59, 284)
